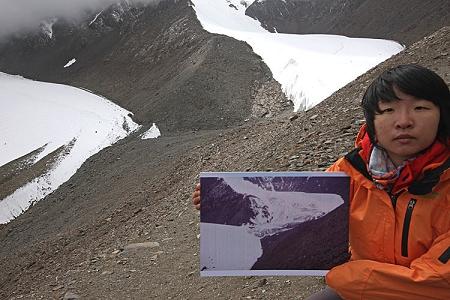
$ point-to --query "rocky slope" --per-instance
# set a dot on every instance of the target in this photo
(123, 226)
(405, 21)
(152, 61)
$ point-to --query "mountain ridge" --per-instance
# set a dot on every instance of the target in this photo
(75, 241)
(159, 60)
(405, 21)
(123, 226)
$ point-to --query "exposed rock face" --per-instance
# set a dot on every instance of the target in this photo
(405, 21)
(157, 62)
(268, 101)
(233, 209)
(139, 190)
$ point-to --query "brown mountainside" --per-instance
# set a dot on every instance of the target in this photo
(157, 62)
(80, 241)
(405, 21)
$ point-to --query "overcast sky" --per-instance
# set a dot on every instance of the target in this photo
(17, 15)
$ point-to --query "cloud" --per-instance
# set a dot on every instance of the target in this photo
(17, 15)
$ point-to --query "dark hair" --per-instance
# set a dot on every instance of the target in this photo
(413, 80)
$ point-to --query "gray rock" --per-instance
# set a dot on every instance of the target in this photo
(144, 245)
(71, 296)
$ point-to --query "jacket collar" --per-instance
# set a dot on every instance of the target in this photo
(419, 176)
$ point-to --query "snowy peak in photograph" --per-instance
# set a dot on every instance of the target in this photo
(248, 220)
(275, 211)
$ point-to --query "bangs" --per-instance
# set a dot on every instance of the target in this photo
(413, 80)
(379, 90)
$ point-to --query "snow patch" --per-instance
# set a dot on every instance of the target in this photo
(221, 253)
(95, 18)
(152, 133)
(47, 26)
(70, 62)
(57, 116)
(246, 3)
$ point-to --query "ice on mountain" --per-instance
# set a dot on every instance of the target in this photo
(152, 133)
(70, 62)
(277, 211)
(221, 253)
(47, 26)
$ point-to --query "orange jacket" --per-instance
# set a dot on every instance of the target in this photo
(401, 252)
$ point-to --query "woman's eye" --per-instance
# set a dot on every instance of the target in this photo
(421, 108)
(387, 110)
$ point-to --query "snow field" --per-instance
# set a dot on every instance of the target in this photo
(308, 67)
(54, 115)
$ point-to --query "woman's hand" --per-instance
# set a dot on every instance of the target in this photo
(196, 196)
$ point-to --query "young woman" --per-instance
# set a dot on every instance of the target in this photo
(400, 192)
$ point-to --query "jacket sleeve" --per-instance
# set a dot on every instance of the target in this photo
(428, 277)
(335, 167)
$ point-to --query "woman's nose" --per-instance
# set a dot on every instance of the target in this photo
(404, 120)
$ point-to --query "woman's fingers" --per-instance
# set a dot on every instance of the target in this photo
(196, 196)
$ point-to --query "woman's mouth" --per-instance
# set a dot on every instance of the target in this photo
(404, 138)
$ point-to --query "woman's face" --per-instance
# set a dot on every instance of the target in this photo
(407, 126)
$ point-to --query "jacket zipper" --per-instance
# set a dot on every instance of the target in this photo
(394, 198)
(406, 225)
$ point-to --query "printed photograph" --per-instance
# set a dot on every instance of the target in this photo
(274, 223)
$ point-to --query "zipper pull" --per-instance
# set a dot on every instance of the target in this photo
(411, 203)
